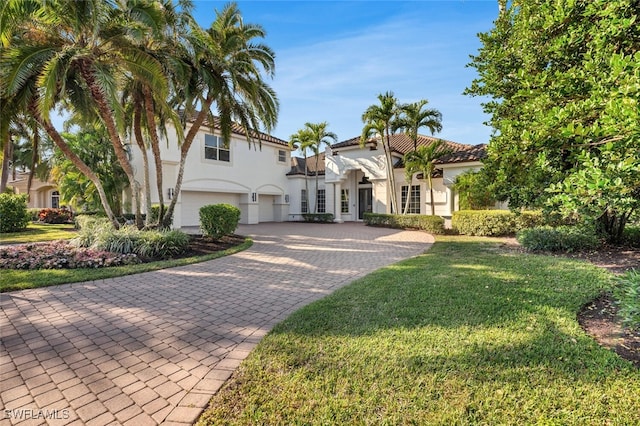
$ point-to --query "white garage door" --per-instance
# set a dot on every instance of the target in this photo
(266, 208)
(193, 200)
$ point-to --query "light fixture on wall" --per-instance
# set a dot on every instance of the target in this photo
(254, 197)
(170, 193)
(286, 198)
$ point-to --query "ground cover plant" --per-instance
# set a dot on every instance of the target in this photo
(468, 333)
(199, 250)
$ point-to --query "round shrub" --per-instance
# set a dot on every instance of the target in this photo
(218, 220)
(55, 216)
(561, 239)
(14, 216)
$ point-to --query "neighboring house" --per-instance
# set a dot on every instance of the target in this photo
(42, 195)
(252, 178)
(356, 178)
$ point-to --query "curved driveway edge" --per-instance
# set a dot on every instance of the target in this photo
(153, 348)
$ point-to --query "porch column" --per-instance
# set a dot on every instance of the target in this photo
(337, 202)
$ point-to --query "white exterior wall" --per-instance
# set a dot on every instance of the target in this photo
(345, 169)
(296, 185)
(252, 172)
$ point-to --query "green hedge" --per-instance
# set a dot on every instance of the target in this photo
(494, 223)
(218, 220)
(14, 216)
(318, 217)
(560, 239)
(431, 224)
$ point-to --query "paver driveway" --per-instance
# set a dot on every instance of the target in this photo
(152, 348)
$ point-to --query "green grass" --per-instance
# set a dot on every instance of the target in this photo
(36, 232)
(464, 334)
(22, 279)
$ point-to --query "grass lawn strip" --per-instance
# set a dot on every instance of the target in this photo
(464, 334)
(11, 279)
(38, 232)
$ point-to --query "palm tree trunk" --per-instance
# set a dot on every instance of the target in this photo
(184, 150)
(391, 179)
(106, 114)
(6, 158)
(306, 182)
(137, 130)
(155, 148)
(433, 207)
(34, 160)
(315, 207)
(77, 161)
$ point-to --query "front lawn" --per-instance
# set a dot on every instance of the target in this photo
(464, 334)
(37, 232)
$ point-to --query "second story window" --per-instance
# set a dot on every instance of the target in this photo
(215, 149)
(282, 156)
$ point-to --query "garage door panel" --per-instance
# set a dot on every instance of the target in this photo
(266, 208)
(193, 200)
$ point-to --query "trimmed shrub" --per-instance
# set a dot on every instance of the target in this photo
(318, 217)
(488, 223)
(561, 239)
(13, 213)
(627, 297)
(34, 214)
(431, 224)
(55, 216)
(218, 220)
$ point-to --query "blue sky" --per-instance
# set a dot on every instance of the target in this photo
(334, 57)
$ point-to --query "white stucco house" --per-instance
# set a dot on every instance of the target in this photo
(268, 185)
(355, 179)
(43, 194)
(252, 178)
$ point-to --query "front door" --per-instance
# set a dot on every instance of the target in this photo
(365, 201)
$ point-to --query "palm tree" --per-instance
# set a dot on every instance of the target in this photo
(226, 69)
(379, 120)
(319, 136)
(77, 53)
(413, 117)
(422, 160)
(302, 140)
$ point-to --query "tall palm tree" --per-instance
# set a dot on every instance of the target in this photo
(319, 137)
(78, 53)
(379, 120)
(422, 159)
(302, 140)
(227, 69)
(413, 117)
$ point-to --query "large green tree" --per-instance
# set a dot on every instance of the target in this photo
(563, 81)
(414, 116)
(302, 141)
(91, 144)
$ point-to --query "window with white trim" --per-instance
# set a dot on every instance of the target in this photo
(322, 201)
(344, 201)
(282, 156)
(304, 205)
(414, 200)
(215, 149)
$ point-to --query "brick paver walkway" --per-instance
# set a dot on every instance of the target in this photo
(153, 348)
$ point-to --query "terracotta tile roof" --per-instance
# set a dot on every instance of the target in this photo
(473, 153)
(401, 144)
(238, 130)
(297, 166)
